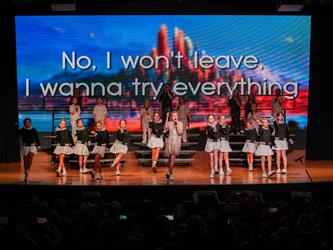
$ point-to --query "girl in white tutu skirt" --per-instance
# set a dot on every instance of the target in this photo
(250, 146)
(156, 140)
(224, 148)
(173, 143)
(81, 145)
(101, 143)
(64, 146)
(281, 142)
(29, 144)
(212, 144)
(119, 147)
(264, 149)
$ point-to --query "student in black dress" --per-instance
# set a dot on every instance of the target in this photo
(29, 145)
(156, 140)
(235, 104)
(101, 143)
(64, 146)
(281, 142)
(119, 147)
(250, 143)
(165, 99)
(81, 145)
(248, 106)
(265, 135)
(212, 144)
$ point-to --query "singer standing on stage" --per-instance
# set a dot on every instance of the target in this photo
(173, 143)
(100, 112)
(165, 99)
(184, 115)
(75, 113)
(146, 114)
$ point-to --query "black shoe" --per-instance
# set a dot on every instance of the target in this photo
(169, 176)
(26, 176)
(92, 174)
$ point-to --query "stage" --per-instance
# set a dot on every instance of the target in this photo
(43, 173)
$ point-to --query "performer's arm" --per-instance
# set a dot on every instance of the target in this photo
(227, 129)
(72, 109)
(291, 141)
(260, 130)
(179, 127)
(78, 109)
(166, 121)
(272, 138)
(125, 137)
(94, 113)
(36, 137)
(107, 138)
(70, 137)
(105, 113)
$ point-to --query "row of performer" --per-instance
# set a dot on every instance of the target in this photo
(146, 112)
(260, 141)
(66, 146)
(168, 134)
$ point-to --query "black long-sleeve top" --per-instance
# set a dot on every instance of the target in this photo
(250, 134)
(265, 135)
(156, 128)
(223, 130)
(102, 137)
(29, 136)
(281, 130)
(82, 135)
(212, 133)
(121, 136)
(64, 137)
(165, 100)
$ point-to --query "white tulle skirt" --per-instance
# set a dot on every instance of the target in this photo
(81, 149)
(212, 145)
(281, 145)
(264, 150)
(224, 146)
(155, 142)
(99, 150)
(249, 147)
(67, 150)
(118, 147)
(25, 150)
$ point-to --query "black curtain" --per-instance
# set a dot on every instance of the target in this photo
(9, 149)
(320, 119)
